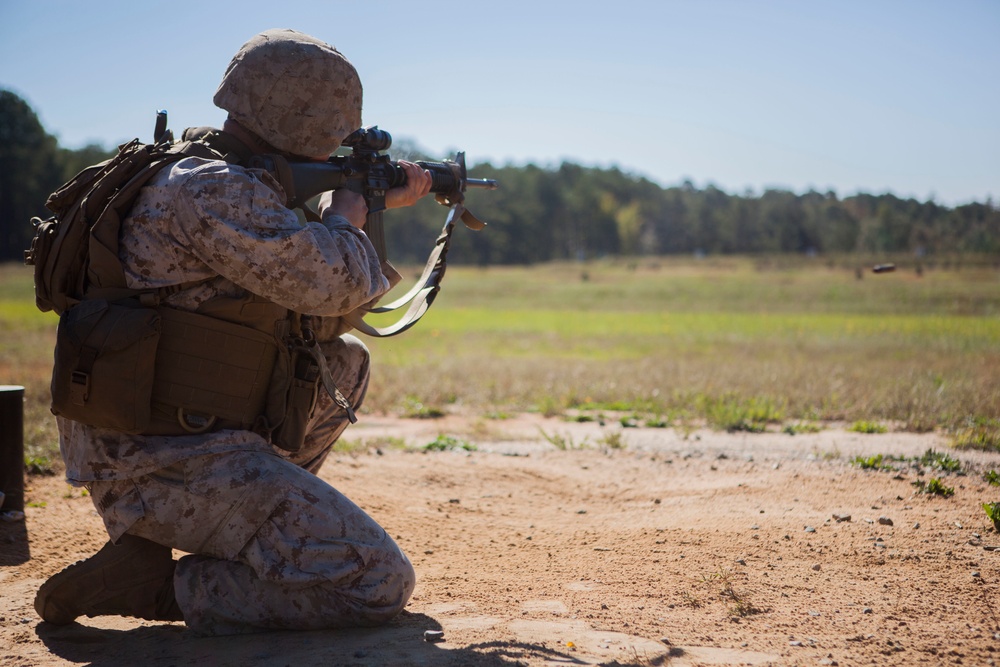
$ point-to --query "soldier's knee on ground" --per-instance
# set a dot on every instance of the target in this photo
(395, 594)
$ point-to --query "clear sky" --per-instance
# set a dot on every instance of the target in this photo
(849, 95)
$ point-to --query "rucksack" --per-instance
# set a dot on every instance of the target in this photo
(76, 249)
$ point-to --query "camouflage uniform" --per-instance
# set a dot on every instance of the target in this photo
(272, 545)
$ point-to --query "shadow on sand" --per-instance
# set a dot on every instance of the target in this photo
(399, 644)
(14, 548)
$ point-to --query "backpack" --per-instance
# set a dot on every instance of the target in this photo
(76, 249)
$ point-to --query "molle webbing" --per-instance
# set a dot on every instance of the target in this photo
(212, 370)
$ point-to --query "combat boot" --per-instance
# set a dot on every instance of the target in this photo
(132, 578)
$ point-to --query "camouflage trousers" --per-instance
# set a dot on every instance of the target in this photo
(271, 545)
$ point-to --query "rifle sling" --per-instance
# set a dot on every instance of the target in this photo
(421, 295)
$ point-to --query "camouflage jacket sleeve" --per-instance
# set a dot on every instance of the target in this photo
(203, 219)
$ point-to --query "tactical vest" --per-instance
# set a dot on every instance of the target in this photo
(126, 361)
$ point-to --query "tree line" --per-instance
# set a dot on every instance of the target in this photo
(568, 212)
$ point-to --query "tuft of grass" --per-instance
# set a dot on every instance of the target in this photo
(562, 442)
(657, 422)
(801, 427)
(935, 487)
(38, 465)
(866, 426)
(731, 413)
(582, 418)
(629, 421)
(992, 477)
(939, 461)
(613, 440)
(978, 433)
(741, 604)
(448, 443)
(691, 600)
(876, 462)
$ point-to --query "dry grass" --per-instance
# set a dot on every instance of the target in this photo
(733, 341)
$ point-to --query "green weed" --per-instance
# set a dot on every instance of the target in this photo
(993, 514)
(939, 461)
(629, 421)
(38, 465)
(935, 487)
(732, 413)
(992, 477)
(581, 418)
(866, 426)
(447, 443)
(801, 427)
(876, 462)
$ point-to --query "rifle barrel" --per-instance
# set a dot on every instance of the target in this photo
(487, 183)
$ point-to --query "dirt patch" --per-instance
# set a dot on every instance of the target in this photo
(626, 547)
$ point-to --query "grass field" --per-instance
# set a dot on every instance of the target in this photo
(742, 343)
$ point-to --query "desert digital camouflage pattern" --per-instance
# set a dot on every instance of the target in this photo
(296, 92)
(276, 546)
(211, 221)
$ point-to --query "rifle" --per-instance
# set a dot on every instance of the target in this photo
(371, 173)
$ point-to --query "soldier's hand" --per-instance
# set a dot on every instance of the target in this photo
(418, 184)
(346, 203)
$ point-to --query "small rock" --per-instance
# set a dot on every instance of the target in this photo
(816, 567)
(841, 517)
(810, 529)
(665, 640)
(814, 613)
(433, 635)
(795, 643)
(885, 521)
(866, 610)
(740, 561)
(975, 574)
(916, 525)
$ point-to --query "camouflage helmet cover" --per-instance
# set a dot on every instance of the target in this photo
(294, 91)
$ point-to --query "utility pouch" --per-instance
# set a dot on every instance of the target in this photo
(104, 361)
(210, 374)
(300, 401)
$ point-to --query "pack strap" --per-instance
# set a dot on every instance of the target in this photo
(421, 295)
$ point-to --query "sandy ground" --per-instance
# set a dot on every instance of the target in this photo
(709, 549)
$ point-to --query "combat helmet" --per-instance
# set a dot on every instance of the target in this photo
(296, 92)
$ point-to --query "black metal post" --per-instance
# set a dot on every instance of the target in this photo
(12, 447)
